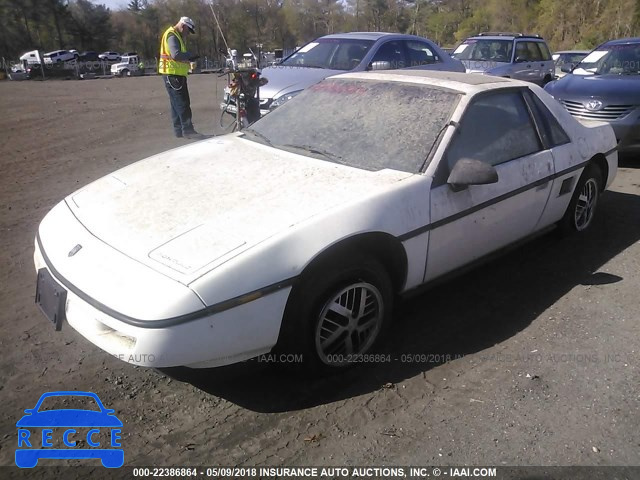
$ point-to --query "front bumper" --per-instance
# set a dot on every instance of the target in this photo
(143, 317)
(223, 338)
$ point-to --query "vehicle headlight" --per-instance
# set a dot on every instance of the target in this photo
(282, 99)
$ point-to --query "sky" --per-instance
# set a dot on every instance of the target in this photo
(112, 4)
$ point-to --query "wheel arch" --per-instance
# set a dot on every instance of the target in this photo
(384, 247)
(600, 161)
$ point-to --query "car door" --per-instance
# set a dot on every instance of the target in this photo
(537, 62)
(523, 66)
(547, 65)
(496, 128)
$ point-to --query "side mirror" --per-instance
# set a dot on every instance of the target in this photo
(520, 59)
(380, 66)
(567, 68)
(468, 171)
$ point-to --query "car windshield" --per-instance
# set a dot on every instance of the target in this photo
(66, 402)
(331, 53)
(487, 50)
(367, 124)
(611, 60)
(564, 58)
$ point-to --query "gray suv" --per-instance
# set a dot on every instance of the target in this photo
(511, 55)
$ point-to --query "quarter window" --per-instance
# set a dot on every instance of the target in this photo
(551, 131)
(495, 128)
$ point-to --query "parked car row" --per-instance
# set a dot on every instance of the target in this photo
(58, 56)
(613, 97)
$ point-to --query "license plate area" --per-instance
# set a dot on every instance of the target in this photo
(51, 298)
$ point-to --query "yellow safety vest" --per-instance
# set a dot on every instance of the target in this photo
(167, 65)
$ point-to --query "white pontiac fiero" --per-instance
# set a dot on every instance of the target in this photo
(296, 234)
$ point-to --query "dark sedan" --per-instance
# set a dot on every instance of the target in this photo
(605, 86)
(89, 56)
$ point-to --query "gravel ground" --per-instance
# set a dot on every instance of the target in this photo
(531, 359)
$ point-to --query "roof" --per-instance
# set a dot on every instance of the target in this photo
(571, 51)
(461, 82)
(505, 36)
(623, 41)
(369, 35)
(358, 35)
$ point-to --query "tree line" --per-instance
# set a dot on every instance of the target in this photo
(84, 25)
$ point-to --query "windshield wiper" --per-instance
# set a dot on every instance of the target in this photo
(251, 131)
(315, 151)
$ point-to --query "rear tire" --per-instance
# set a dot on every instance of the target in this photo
(582, 208)
(337, 314)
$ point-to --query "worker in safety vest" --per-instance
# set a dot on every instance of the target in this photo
(174, 68)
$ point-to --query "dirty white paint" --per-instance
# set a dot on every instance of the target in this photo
(218, 219)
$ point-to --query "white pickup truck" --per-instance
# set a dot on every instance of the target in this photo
(128, 66)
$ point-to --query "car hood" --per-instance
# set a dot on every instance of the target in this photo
(188, 210)
(283, 79)
(615, 89)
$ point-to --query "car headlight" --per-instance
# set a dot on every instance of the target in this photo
(283, 99)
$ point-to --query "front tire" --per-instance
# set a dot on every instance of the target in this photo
(582, 208)
(336, 315)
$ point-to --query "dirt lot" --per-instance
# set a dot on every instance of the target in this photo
(543, 345)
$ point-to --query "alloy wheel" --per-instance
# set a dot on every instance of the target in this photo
(349, 324)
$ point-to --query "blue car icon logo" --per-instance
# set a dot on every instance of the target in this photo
(62, 433)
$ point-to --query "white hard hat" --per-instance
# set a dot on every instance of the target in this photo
(189, 23)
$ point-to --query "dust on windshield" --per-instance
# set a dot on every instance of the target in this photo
(368, 124)
(611, 60)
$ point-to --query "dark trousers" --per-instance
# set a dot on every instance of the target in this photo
(180, 104)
